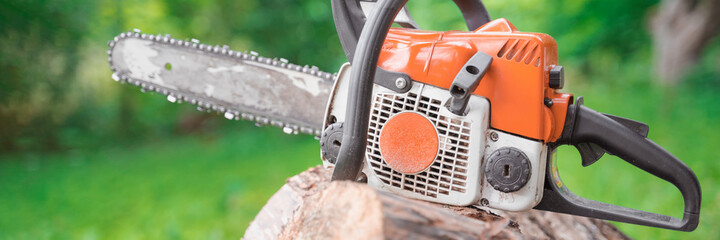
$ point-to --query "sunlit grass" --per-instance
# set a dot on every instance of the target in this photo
(192, 187)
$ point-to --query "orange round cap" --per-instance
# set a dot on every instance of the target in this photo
(408, 143)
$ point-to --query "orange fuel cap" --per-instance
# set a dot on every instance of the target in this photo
(408, 143)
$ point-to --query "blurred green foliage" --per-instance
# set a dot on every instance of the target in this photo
(84, 157)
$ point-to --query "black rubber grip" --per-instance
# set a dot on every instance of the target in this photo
(589, 126)
(352, 151)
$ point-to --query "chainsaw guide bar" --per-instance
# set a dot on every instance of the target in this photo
(240, 85)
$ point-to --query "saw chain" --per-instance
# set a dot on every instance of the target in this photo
(206, 104)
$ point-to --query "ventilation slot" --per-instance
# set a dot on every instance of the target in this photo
(448, 173)
(521, 50)
(515, 48)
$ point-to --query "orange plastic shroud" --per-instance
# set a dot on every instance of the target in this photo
(516, 83)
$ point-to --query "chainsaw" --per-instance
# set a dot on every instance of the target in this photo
(455, 117)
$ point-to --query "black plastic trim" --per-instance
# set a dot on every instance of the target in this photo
(387, 79)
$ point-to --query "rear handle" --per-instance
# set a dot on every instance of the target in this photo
(584, 125)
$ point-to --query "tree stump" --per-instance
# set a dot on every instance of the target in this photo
(309, 206)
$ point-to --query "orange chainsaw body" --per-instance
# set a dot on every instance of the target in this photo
(516, 84)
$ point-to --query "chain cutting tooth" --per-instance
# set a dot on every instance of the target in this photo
(276, 123)
(306, 130)
(263, 120)
(229, 115)
(247, 116)
(288, 130)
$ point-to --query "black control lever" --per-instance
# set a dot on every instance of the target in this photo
(466, 81)
(584, 125)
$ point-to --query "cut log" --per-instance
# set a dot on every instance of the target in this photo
(309, 206)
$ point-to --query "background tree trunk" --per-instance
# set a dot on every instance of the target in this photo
(681, 30)
(309, 206)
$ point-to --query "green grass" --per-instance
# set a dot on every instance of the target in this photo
(185, 188)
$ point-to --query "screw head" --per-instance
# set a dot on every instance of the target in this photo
(400, 83)
(494, 136)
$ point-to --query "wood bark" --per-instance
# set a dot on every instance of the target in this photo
(309, 206)
(681, 30)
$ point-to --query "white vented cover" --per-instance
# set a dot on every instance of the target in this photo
(454, 176)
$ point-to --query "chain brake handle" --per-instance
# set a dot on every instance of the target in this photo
(586, 127)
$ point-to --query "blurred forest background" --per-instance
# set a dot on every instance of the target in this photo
(83, 157)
